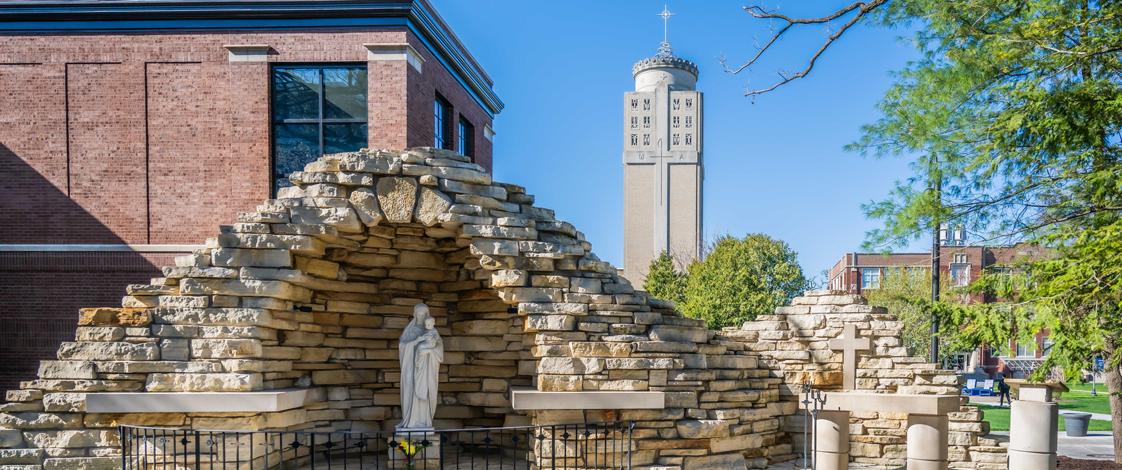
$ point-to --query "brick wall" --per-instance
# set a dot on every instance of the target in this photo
(42, 293)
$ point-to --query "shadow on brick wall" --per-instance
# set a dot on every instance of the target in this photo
(41, 291)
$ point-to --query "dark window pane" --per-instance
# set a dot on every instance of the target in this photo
(345, 93)
(295, 93)
(439, 112)
(296, 145)
(343, 137)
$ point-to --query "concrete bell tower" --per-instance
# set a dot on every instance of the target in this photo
(662, 162)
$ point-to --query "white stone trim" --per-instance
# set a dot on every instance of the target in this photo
(248, 52)
(101, 247)
(611, 400)
(201, 402)
(488, 133)
(891, 402)
(403, 51)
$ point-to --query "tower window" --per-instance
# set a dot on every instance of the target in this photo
(689, 103)
(689, 121)
(634, 122)
(675, 121)
(689, 139)
(316, 110)
(646, 139)
(634, 139)
(634, 103)
(646, 121)
(646, 104)
(675, 140)
(677, 105)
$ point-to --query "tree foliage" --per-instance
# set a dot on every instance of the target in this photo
(664, 280)
(741, 278)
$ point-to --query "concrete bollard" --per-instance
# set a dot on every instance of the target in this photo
(831, 440)
(1032, 433)
(927, 442)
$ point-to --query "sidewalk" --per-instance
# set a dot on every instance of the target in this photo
(1097, 445)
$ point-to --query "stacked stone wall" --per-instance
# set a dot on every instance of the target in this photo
(313, 289)
(794, 344)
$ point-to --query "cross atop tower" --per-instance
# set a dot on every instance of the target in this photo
(664, 48)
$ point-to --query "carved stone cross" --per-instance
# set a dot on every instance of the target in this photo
(849, 344)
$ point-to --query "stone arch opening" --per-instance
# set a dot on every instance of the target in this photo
(352, 258)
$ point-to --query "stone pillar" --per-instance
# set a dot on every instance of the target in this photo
(831, 440)
(1032, 432)
(927, 442)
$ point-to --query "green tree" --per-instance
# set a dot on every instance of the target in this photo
(904, 293)
(1013, 120)
(664, 280)
(741, 278)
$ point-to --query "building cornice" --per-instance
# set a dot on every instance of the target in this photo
(114, 16)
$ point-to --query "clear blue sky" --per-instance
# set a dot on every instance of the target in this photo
(773, 166)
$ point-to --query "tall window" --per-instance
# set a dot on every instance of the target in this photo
(467, 139)
(870, 278)
(442, 120)
(316, 110)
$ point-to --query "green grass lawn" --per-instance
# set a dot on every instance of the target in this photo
(999, 419)
(1080, 399)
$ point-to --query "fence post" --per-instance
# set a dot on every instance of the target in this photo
(198, 455)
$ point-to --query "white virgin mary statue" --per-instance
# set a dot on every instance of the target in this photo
(421, 353)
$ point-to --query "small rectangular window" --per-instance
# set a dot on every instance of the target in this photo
(634, 122)
(675, 139)
(646, 121)
(634, 139)
(689, 103)
(689, 121)
(646, 105)
(646, 139)
(634, 103)
(675, 120)
(677, 105)
(467, 139)
(689, 139)
(442, 126)
(316, 110)
(960, 274)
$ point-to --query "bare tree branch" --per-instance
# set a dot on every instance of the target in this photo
(862, 8)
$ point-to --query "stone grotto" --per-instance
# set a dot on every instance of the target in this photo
(289, 319)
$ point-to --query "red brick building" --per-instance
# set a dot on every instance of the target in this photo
(858, 273)
(130, 129)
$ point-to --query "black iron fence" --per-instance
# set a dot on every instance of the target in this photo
(600, 446)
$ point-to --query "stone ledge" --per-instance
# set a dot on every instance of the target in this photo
(891, 402)
(201, 402)
(611, 400)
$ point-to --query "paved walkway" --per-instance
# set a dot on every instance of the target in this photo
(1096, 446)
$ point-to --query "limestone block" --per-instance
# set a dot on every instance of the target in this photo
(332, 377)
(702, 428)
(99, 333)
(175, 349)
(116, 351)
(481, 327)
(239, 257)
(38, 420)
(560, 383)
(67, 370)
(10, 438)
(72, 439)
(299, 244)
(225, 348)
(246, 287)
(494, 247)
(536, 323)
(715, 462)
(64, 402)
(381, 164)
(82, 463)
(220, 317)
(679, 334)
(600, 349)
(431, 205)
(474, 343)
(508, 278)
(113, 317)
(639, 363)
(569, 308)
(569, 365)
(396, 197)
(203, 382)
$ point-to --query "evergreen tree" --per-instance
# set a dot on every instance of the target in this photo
(664, 280)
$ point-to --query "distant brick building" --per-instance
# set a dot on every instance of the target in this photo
(129, 129)
(857, 273)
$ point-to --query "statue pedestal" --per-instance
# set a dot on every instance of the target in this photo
(423, 443)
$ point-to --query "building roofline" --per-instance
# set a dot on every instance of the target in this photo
(149, 16)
